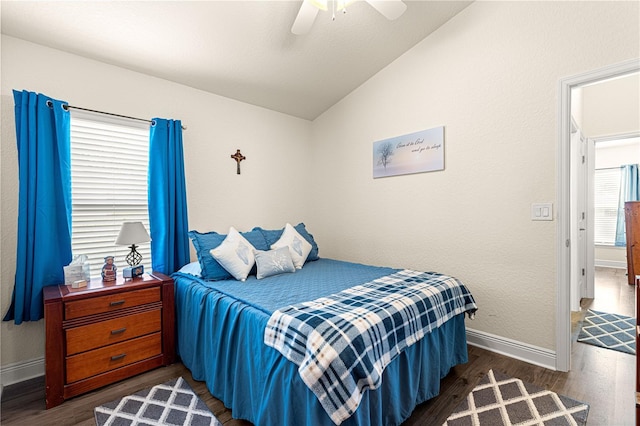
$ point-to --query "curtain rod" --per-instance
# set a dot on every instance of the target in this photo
(67, 107)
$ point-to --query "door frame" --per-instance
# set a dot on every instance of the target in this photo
(590, 292)
(580, 268)
(563, 230)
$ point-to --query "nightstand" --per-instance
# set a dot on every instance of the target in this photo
(106, 332)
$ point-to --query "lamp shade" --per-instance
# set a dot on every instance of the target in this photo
(132, 233)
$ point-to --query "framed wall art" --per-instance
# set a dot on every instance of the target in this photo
(417, 152)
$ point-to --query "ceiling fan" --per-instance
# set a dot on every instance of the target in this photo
(390, 9)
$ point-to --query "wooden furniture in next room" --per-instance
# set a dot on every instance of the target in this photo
(106, 332)
(637, 346)
(632, 230)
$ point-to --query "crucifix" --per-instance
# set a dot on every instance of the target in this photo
(238, 157)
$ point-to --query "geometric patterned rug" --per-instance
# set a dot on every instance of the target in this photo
(502, 400)
(171, 403)
(611, 331)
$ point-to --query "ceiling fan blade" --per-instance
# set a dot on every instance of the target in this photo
(305, 18)
(390, 9)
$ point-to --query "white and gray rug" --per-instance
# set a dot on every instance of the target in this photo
(500, 400)
(171, 403)
(611, 331)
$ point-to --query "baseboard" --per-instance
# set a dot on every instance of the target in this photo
(512, 348)
(617, 264)
(21, 371)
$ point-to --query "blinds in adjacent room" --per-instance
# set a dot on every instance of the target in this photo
(109, 161)
(606, 192)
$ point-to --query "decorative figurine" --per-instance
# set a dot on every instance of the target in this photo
(109, 269)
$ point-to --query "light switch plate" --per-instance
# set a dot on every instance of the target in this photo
(542, 211)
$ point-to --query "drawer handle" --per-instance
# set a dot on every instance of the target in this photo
(117, 357)
(118, 331)
(117, 303)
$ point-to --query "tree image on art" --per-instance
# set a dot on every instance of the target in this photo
(385, 151)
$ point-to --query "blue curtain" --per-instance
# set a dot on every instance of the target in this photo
(167, 197)
(44, 201)
(629, 191)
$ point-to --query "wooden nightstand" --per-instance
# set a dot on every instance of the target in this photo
(105, 332)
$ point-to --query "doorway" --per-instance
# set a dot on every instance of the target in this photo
(567, 237)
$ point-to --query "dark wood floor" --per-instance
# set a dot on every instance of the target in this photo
(603, 378)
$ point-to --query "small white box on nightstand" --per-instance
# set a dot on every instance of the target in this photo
(79, 284)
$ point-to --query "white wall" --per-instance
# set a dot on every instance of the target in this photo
(617, 153)
(611, 108)
(269, 191)
(490, 76)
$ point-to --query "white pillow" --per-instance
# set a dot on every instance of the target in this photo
(273, 262)
(235, 254)
(299, 248)
(192, 268)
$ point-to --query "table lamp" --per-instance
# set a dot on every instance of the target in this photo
(132, 233)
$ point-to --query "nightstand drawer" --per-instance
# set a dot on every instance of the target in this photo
(113, 302)
(92, 336)
(98, 361)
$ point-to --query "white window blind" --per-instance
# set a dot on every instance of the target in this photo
(606, 193)
(109, 161)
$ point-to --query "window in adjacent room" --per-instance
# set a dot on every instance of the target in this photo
(606, 192)
(109, 161)
(610, 155)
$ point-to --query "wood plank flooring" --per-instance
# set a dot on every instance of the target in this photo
(603, 378)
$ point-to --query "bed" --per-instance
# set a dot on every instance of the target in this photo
(225, 334)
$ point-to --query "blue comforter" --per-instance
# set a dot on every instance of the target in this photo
(220, 339)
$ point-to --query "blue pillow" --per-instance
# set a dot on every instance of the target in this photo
(274, 235)
(273, 262)
(211, 269)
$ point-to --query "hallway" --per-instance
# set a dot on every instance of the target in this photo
(601, 369)
(612, 293)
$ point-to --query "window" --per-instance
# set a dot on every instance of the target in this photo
(606, 192)
(109, 160)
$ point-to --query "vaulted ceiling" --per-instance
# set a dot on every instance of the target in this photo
(243, 50)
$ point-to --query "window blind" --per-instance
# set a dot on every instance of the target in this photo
(109, 161)
(606, 192)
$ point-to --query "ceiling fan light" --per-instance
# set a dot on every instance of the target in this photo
(342, 4)
(320, 4)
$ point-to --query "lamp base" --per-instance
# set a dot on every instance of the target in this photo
(133, 258)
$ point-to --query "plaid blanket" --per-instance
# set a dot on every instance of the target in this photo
(342, 343)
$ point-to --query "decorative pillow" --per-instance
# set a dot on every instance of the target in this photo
(192, 268)
(205, 242)
(235, 254)
(298, 246)
(211, 269)
(273, 235)
(273, 262)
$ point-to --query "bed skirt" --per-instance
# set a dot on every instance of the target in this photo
(221, 341)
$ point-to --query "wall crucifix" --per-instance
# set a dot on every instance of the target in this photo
(238, 157)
